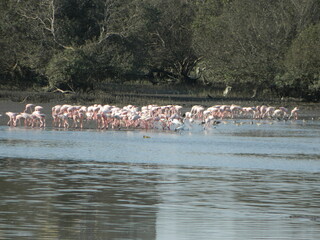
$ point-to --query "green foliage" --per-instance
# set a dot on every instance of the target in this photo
(242, 43)
(77, 21)
(302, 63)
(247, 44)
(171, 55)
(70, 69)
(24, 51)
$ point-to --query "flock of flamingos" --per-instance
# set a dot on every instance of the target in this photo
(169, 117)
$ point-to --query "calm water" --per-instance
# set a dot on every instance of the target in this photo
(232, 182)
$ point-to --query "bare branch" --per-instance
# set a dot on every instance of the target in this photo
(63, 91)
(44, 13)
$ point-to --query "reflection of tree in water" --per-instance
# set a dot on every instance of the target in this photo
(71, 200)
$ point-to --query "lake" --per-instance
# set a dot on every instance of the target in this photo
(237, 180)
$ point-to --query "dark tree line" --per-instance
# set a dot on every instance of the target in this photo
(262, 46)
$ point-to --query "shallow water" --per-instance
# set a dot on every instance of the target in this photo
(235, 181)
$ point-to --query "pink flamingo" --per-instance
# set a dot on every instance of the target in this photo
(38, 119)
(12, 119)
(38, 108)
(294, 113)
(280, 113)
(269, 111)
(284, 110)
(27, 119)
(54, 114)
(235, 110)
(29, 107)
(63, 119)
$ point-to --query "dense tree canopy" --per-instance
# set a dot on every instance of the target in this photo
(247, 44)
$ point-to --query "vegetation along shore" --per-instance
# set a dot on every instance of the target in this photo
(164, 52)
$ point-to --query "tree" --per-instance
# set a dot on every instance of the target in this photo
(302, 65)
(169, 41)
(70, 70)
(23, 53)
(247, 44)
(243, 43)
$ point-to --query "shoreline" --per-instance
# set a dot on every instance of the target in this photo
(307, 110)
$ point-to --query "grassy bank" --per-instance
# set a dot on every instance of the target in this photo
(122, 94)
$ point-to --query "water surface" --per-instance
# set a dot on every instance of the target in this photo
(235, 181)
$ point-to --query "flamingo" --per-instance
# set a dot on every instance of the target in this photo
(27, 119)
(12, 119)
(294, 113)
(151, 116)
(29, 107)
(38, 119)
(38, 108)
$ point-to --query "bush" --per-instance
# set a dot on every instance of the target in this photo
(302, 64)
(70, 70)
